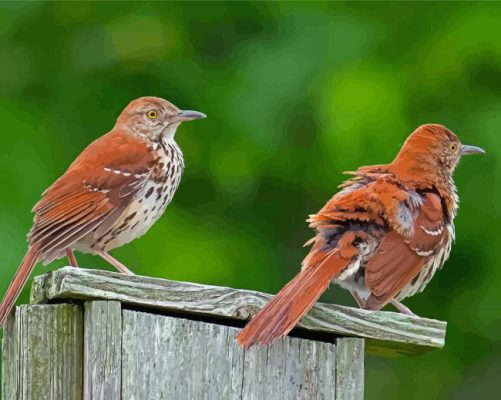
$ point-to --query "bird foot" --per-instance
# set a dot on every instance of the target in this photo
(117, 264)
(403, 309)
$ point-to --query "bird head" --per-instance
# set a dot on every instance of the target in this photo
(431, 149)
(153, 117)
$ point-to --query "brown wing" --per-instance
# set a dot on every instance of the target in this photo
(365, 198)
(92, 194)
(399, 259)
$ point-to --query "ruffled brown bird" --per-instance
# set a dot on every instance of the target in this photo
(111, 194)
(382, 237)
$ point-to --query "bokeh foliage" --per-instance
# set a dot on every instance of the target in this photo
(296, 93)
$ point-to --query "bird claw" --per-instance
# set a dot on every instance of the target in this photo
(401, 308)
(113, 261)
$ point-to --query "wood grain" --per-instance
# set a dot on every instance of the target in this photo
(102, 350)
(10, 359)
(174, 358)
(387, 333)
(43, 357)
(350, 369)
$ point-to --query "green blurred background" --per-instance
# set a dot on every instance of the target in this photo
(296, 93)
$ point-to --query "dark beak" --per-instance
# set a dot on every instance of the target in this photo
(188, 115)
(467, 149)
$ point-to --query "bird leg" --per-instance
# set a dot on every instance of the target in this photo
(358, 299)
(403, 309)
(71, 258)
(113, 261)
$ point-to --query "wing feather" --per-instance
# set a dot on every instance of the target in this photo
(92, 194)
(398, 259)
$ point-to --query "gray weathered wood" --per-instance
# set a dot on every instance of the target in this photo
(102, 350)
(10, 359)
(350, 369)
(386, 332)
(173, 358)
(291, 368)
(43, 353)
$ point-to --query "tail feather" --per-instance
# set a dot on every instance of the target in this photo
(17, 284)
(283, 312)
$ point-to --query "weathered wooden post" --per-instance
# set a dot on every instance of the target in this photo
(102, 336)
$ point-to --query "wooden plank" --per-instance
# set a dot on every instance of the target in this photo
(173, 358)
(102, 350)
(10, 359)
(387, 332)
(290, 369)
(350, 369)
(44, 347)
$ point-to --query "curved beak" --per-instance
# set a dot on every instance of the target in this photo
(188, 115)
(467, 149)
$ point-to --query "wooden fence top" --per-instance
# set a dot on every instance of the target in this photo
(386, 333)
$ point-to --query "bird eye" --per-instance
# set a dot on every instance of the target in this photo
(453, 147)
(151, 114)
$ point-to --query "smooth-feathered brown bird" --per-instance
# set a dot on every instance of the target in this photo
(112, 193)
(382, 237)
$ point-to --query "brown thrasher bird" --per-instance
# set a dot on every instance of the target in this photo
(111, 194)
(382, 237)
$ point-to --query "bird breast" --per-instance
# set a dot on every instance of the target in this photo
(149, 203)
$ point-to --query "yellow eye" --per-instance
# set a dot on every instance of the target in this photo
(453, 147)
(151, 114)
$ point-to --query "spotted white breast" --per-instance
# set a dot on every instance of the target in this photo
(148, 204)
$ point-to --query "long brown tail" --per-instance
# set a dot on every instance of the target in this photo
(295, 299)
(18, 283)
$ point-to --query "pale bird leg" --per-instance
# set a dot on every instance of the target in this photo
(71, 258)
(358, 299)
(403, 309)
(113, 261)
